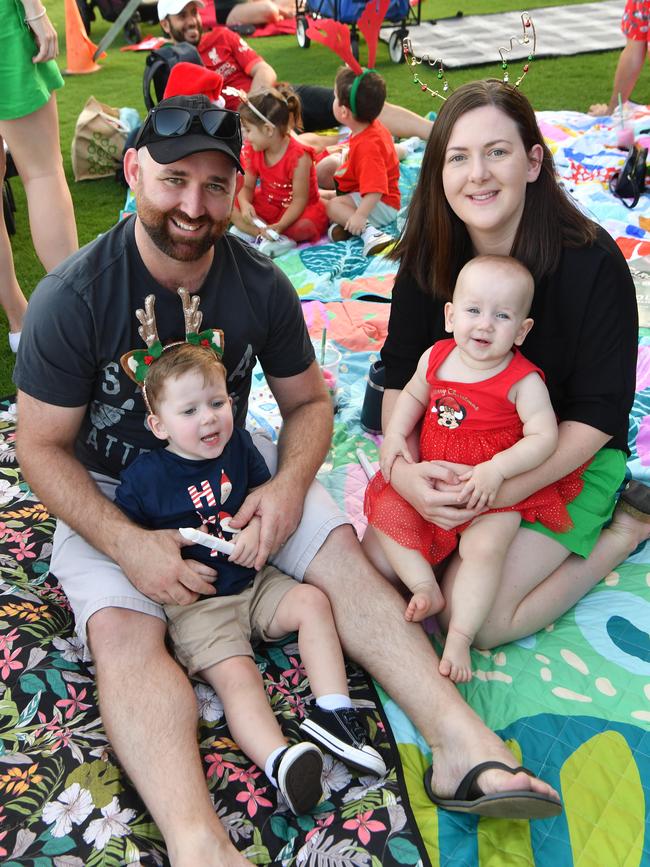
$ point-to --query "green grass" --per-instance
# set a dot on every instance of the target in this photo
(560, 83)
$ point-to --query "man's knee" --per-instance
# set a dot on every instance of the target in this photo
(115, 633)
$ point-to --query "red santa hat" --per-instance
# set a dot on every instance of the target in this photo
(188, 79)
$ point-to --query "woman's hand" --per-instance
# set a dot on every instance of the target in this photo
(432, 488)
(45, 37)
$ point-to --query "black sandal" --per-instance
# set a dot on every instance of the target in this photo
(635, 500)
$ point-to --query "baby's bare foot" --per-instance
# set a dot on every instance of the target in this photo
(427, 599)
(456, 663)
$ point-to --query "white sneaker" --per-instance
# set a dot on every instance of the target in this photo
(250, 239)
(276, 248)
(413, 144)
(374, 241)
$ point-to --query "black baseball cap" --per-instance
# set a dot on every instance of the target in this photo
(161, 136)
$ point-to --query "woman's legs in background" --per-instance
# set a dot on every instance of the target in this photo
(11, 298)
(36, 150)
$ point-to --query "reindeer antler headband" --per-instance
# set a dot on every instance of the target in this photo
(336, 36)
(137, 362)
(528, 38)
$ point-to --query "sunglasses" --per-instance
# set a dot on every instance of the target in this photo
(219, 123)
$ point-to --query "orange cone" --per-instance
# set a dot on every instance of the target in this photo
(79, 49)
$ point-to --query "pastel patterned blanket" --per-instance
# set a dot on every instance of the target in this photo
(573, 700)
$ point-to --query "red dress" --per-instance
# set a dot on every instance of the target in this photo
(467, 423)
(274, 192)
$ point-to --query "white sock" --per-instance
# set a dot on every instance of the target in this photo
(334, 701)
(14, 340)
(268, 764)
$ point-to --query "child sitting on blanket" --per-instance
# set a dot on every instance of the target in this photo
(200, 480)
(280, 186)
(484, 405)
(366, 177)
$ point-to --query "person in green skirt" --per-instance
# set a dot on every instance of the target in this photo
(29, 128)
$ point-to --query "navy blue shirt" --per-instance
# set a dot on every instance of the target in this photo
(163, 491)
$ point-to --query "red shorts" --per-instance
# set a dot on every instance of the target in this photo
(636, 20)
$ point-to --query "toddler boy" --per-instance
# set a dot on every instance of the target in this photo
(366, 178)
(200, 480)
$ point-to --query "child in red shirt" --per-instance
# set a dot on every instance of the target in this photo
(366, 177)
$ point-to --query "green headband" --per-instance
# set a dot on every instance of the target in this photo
(354, 88)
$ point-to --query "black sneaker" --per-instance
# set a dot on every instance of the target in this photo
(298, 772)
(342, 733)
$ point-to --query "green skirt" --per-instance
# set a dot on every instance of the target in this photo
(24, 86)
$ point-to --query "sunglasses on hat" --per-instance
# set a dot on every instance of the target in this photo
(172, 121)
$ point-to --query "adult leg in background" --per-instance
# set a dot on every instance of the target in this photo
(369, 616)
(150, 714)
(35, 147)
(531, 596)
(12, 299)
(403, 123)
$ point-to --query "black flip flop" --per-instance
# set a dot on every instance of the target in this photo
(470, 798)
(635, 500)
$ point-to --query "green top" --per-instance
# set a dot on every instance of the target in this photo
(25, 86)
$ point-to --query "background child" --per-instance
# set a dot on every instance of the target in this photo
(367, 176)
(484, 405)
(286, 198)
(200, 480)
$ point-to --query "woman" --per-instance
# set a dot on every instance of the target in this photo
(30, 127)
(488, 185)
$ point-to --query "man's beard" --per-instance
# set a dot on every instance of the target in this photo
(179, 35)
(156, 224)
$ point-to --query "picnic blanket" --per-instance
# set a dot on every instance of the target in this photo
(573, 701)
(561, 30)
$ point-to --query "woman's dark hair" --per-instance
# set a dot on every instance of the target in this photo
(435, 243)
(280, 105)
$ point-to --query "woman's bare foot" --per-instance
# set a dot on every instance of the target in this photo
(630, 530)
(599, 109)
(427, 599)
(456, 662)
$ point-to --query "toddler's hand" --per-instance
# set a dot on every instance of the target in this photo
(356, 224)
(393, 446)
(247, 543)
(248, 212)
(482, 484)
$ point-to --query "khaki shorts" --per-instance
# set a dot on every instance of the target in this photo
(92, 581)
(214, 629)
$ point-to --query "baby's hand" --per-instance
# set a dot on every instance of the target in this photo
(393, 446)
(247, 543)
(356, 223)
(482, 485)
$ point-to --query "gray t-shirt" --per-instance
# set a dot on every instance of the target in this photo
(81, 319)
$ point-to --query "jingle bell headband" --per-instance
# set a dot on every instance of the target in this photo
(528, 38)
(137, 362)
(336, 36)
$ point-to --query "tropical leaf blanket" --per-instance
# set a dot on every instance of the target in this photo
(573, 701)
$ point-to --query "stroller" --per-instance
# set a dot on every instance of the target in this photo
(399, 12)
(110, 9)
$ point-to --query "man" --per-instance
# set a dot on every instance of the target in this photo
(81, 420)
(241, 67)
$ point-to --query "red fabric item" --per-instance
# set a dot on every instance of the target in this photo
(466, 423)
(277, 28)
(232, 57)
(372, 165)
(187, 79)
(274, 193)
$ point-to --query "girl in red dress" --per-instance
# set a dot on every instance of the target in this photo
(481, 404)
(280, 187)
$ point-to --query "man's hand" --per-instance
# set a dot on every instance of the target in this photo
(152, 562)
(279, 507)
(247, 544)
(356, 223)
(419, 485)
(393, 447)
(481, 486)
